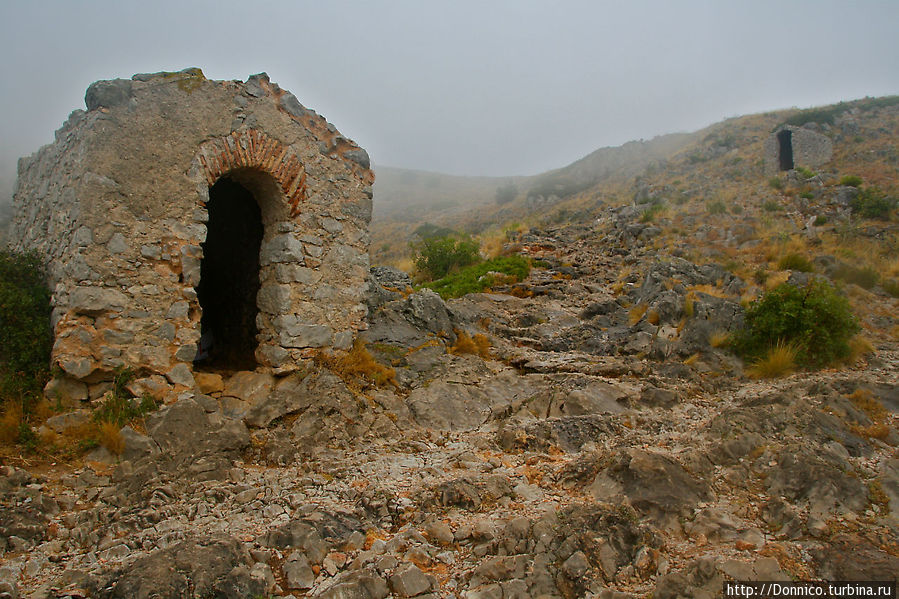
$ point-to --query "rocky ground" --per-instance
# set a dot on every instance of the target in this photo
(603, 448)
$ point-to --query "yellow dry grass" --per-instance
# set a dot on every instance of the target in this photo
(478, 345)
(636, 313)
(358, 368)
(780, 360)
(719, 338)
(109, 436)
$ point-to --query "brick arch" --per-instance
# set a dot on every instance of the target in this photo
(254, 149)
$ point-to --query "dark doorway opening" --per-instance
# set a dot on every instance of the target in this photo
(785, 149)
(229, 278)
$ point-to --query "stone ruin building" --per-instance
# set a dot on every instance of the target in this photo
(191, 224)
(790, 147)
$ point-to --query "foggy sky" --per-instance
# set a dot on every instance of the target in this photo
(464, 87)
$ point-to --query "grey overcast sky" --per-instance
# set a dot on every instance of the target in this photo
(475, 87)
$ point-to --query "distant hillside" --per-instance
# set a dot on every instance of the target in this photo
(723, 162)
(405, 199)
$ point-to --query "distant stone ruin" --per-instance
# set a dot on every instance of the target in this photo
(191, 224)
(790, 147)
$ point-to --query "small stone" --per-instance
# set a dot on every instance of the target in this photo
(209, 382)
(440, 532)
(180, 375)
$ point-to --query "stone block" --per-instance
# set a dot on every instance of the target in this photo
(208, 382)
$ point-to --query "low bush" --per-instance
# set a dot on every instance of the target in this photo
(776, 183)
(891, 286)
(851, 180)
(478, 277)
(25, 340)
(650, 214)
(437, 256)
(805, 173)
(872, 203)
(772, 206)
(716, 207)
(796, 262)
(816, 319)
(865, 277)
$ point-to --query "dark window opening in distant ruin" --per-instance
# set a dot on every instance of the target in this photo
(229, 278)
(785, 149)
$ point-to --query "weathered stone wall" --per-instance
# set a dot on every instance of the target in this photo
(117, 206)
(810, 149)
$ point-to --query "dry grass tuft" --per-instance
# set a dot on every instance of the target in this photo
(636, 313)
(653, 318)
(719, 338)
(358, 368)
(109, 436)
(859, 347)
(689, 305)
(775, 279)
(478, 345)
(10, 422)
(865, 401)
(779, 361)
(712, 290)
(692, 359)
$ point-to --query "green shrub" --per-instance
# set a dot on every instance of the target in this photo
(716, 207)
(823, 116)
(771, 206)
(476, 278)
(776, 183)
(865, 277)
(808, 195)
(437, 256)
(851, 180)
(795, 262)
(873, 203)
(25, 335)
(891, 286)
(821, 220)
(649, 215)
(121, 407)
(815, 318)
(806, 173)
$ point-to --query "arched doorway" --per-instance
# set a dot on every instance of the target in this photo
(229, 278)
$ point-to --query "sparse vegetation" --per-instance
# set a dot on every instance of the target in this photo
(650, 213)
(478, 345)
(865, 277)
(25, 341)
(776, 183)
(851, 180)
(814, 319)
(478, 277)
(358, 368)
(437, 256)
(779, 360)
(872, 203)
(772, 206)
(794, 261)
(716, 207)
